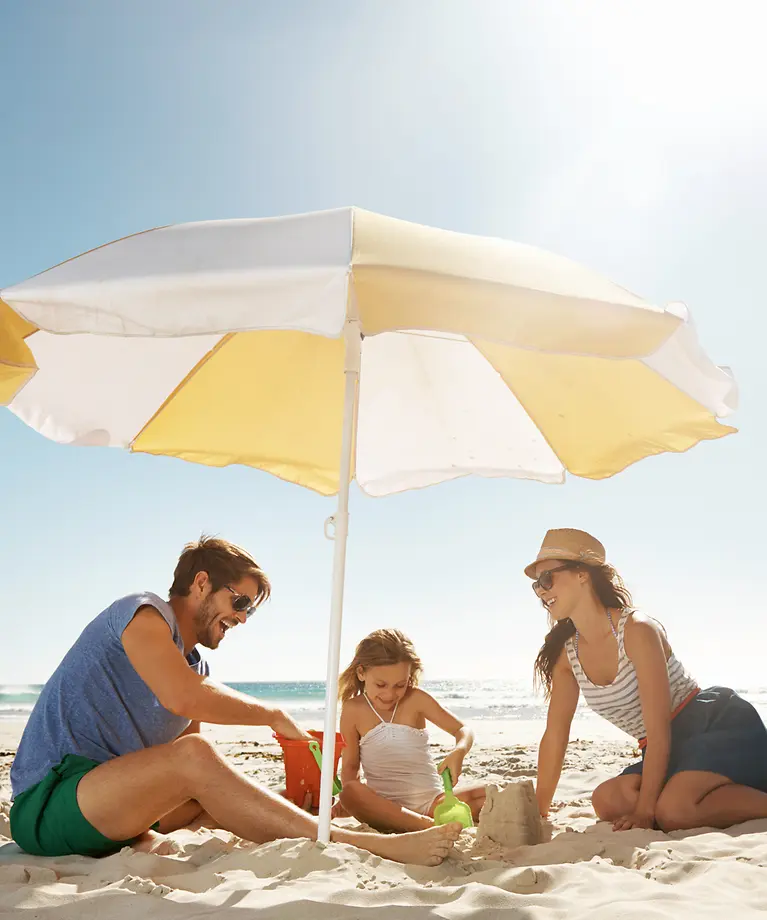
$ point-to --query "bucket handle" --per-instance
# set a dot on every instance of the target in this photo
(314, 747)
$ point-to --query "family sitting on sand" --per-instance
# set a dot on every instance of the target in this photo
(112, 753)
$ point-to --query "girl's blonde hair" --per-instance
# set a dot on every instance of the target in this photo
(382, 647)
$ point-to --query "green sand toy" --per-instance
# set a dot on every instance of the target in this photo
(452, 808)
(314, 747)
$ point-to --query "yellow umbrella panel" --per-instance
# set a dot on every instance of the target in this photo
(16, 362)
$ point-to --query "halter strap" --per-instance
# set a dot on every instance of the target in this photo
(378, 713)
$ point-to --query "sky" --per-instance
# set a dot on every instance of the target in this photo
(629, 137)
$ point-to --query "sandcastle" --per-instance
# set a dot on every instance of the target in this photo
(510, 816)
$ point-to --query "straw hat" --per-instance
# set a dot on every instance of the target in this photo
(571, 545)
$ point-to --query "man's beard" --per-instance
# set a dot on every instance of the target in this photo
(203, 623)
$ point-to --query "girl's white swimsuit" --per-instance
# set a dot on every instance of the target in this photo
(397, 765)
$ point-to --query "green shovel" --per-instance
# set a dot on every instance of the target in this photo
(314, 747)
(452, 808)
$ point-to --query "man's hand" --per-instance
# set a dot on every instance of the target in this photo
(454, 763)
(284, 725)
(637, 818)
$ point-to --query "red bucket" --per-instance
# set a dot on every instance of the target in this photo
(302, 774)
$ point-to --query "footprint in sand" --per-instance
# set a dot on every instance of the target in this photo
(23, 875)
(205, 852)
(143, 886)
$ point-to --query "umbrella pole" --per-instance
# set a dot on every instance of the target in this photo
(340, 522)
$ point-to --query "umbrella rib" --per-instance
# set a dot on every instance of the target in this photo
(727, 429)
(472, 339)
(87, 252)
(180, 386)
(510, 388)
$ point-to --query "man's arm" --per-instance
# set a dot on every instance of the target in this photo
(150, 649)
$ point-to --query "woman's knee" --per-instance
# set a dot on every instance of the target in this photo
(679, 805)
(616, 797)
(674, 813)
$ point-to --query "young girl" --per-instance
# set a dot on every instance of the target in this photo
(383, 722)
(704, 752)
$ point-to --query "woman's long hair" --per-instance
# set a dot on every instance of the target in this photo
(609, 589)
(382, 647)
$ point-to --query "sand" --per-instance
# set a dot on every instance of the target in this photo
(510, 817)
(584, 870)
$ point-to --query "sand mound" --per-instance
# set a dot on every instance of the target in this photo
(510, 816)
(585, 871)
(597, 873)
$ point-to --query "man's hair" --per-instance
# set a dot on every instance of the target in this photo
(224, 562)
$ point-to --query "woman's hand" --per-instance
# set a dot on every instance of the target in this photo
(454, 763)
(638, 818)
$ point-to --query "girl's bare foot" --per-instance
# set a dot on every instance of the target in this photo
(420, 848)
(338, 811)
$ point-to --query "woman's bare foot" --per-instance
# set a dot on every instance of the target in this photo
(420, 848)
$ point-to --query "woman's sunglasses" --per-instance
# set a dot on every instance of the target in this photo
(545, 580)
(241, 602)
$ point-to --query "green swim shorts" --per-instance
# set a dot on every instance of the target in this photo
(46, 819)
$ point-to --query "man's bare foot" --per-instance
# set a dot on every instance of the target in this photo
(158, 844)
(420, 848)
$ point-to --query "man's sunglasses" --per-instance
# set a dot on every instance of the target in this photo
(241, 602)
(545, 580)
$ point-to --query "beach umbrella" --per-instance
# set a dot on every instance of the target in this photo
(16, 362)
(343, 344)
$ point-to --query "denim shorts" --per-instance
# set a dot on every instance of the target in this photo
(719, 732)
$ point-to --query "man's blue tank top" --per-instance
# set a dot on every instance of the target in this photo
(95, 704)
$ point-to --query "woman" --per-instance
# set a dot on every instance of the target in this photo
(704, 752)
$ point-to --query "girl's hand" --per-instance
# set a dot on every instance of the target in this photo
(454, 763)
(637, 818)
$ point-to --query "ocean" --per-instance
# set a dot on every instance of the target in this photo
(470, 700)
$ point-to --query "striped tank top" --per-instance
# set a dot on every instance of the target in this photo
(619, 701)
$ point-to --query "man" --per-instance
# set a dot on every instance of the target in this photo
(112, 748)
